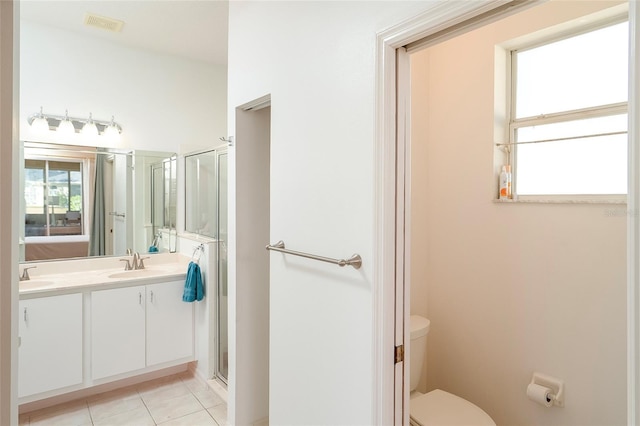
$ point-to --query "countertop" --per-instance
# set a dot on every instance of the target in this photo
(61, 277)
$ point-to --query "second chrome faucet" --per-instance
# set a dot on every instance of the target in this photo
(136, 263)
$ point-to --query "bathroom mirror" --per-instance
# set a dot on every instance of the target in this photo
(85, 201)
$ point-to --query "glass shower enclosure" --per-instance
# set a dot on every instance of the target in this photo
(206, 203)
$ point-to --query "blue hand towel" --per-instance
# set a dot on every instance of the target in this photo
(153, 249)
(193, 289)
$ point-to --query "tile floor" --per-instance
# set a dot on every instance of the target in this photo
(177, 400)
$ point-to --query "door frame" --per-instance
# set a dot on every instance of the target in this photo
(249, 269)
(390, 397)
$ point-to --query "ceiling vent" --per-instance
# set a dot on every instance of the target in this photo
(104, 23)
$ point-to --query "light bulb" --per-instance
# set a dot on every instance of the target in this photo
(90, 129)
(40, 125)
(65, 128)
(111, 132)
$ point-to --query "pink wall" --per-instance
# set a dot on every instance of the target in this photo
(509, 288)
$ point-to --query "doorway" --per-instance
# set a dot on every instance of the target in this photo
(391, 46)
(250, 315)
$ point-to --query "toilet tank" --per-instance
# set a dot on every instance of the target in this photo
(419, 330)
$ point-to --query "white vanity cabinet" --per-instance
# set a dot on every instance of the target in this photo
(137, 327)
(50, 350)
(117, 331)
(169, 323)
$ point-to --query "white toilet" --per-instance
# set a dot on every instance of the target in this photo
(436, 408)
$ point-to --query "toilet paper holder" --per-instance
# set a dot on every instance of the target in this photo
(556, 387)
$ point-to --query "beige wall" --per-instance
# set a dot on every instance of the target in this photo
(8, 213)
(509, 289)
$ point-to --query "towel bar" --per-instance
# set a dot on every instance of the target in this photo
(355, 260)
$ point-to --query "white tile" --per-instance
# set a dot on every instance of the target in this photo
(70, 414)
(219, 413)
(194, 383)
(208, 398)
(109, 407)
(181, 399)
(215, 386)
(200, 418)
(137, 417)
(163, 392)
(166, 409)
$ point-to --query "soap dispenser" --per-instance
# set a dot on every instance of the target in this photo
(505, 183)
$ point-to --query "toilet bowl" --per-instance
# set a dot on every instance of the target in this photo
(436, 408)
(440, 408)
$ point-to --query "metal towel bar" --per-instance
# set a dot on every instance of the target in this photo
(355, 260)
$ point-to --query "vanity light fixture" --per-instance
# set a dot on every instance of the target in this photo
(69, 125)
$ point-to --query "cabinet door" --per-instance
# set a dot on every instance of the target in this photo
(169, 323)
(117, 331)
(50, 351)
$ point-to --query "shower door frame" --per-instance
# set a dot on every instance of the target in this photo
(220, 245)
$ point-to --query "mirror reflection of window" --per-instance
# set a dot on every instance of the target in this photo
(53, 197)
(60, 186)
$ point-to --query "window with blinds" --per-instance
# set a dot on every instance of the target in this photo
(53, 197)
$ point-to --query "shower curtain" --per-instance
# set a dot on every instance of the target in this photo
(97, 236)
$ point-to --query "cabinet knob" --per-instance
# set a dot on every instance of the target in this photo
(140, 298)
(151, 296)
(25, 314)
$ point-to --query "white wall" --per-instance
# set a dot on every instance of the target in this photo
(317, 60)
(509, 288)
(163, 102)
(205, 310)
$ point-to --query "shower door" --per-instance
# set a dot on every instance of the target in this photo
(206, 215)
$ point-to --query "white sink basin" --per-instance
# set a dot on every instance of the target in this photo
(137, 273)
(35, 284)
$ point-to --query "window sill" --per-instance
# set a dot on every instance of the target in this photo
(563, 201)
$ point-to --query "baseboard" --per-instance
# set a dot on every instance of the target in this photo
(261, 422)
(218, 388)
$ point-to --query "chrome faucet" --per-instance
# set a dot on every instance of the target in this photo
(25, 273)
(127, 266)
(138, 262)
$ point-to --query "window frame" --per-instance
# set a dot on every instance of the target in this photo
(598, 111)
(46, 184)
